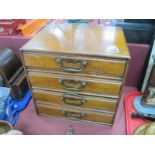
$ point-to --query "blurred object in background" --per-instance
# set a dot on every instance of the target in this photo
(1, 81)
(80, 20)
(5, 127)
(145, 129)
(14, 91)
(10, 107)
(11, 26)
(14, 132)
(148, 68)
(92, 22)
(31, 27)
(138, 31)
(7, 110)
(12, 73)
(149, 93)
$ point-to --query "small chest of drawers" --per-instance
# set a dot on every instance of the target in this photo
(77, 72)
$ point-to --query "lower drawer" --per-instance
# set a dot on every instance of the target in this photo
(72, 99)
(74, 84)
(75, 114)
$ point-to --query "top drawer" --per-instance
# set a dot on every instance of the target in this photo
(111, 67)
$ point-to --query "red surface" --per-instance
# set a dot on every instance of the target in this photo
(138, 54)
(10, 26)
(30, 123)
(131, 123)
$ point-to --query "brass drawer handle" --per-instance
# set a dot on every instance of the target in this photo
(73, 99)
(74, 85)
(73, 115)
(81, 64)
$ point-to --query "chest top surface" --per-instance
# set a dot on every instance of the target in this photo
(80, 39)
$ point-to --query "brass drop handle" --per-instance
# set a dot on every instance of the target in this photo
(73, 99)
(80, 63)
(74, 85)
(73, 115)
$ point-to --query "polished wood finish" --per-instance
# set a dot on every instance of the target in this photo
(80, 40)
(75, 100)
(74, 84)
(93, 66)
(73, 74)
(75, 114)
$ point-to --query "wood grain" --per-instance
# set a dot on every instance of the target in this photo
(83, 101)
(74, 113)
(92, 86)
(112, 67)
(70, 69)
(80, 39)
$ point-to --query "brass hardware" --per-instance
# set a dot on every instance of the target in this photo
(81, 63)
(80, 84)
(73, 115)
(73, 99)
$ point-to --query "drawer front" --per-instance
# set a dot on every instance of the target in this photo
(74, 114)
(58, 82)
(76, 65)
(75, 100)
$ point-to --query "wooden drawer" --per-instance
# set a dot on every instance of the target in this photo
(107, 66)
(76, 114)
(74, 84)
(83, 101)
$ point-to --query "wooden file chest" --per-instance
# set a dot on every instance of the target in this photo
(77, 71)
